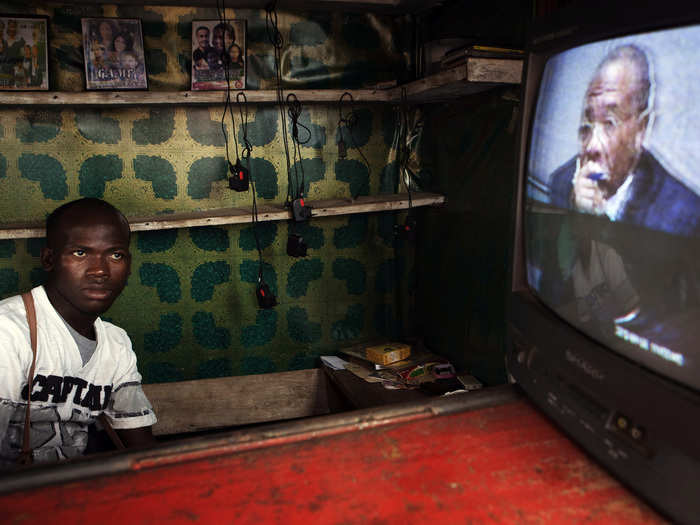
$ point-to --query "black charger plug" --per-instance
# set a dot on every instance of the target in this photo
(342, 149)
(406, 231)
(239, 178)
(266, 299)
(300, 211)
(296, 247)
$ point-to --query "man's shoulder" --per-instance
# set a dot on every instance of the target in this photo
(560, 183)
(14, 329)
(10, 303)
(665, 202)
(12, 310)
(114, 346)
(565, 170)
(114, 332)
(670, 186)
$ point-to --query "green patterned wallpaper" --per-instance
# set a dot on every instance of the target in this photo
(321, 49)
(190, 305)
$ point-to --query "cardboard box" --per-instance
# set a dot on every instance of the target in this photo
(387, 353)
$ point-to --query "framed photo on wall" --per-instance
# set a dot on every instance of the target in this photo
(24, 57)
(114, 57)
(218, 49)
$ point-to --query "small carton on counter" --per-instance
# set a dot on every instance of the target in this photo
(387, 353)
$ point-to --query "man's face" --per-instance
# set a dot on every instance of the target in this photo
(11, 28)
(88, 263)
(611, 130)
(218, 40)
(203, 38)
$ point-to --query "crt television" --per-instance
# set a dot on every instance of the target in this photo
(604, 307)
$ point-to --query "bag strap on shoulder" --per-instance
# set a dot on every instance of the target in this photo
(26, 456)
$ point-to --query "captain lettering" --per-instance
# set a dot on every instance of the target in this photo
(80, 383)
(92, 397)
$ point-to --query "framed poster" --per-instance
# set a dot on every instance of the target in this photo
(113, 49)
(217, 48)
(24, 57)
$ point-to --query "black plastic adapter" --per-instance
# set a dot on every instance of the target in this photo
(406, 231)
(266, 299)
(296, 247)
(300, 211)
(342, 149)
(239, 179)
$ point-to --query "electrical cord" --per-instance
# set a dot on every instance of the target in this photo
(227, 107)
(406, 138)
(244, 154)
(294, 110)
(275, 38)
(221, 12)
(242, 102)
(247, 147)
(403, 151)
(350, 121)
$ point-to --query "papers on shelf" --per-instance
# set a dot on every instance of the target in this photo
(334, 362)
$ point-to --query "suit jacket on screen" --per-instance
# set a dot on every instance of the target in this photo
(657, 200)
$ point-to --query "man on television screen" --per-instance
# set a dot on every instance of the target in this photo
(613, 174)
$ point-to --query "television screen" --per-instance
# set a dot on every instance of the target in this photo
(612, 215)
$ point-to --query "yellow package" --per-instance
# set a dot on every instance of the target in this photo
(387, 353)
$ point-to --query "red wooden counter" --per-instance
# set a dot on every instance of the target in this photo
(484, 457)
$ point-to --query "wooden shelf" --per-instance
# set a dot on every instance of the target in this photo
(188, 98)
(379, 6)
(267, 212)
(476, 75)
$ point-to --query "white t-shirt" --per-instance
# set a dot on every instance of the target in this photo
(603, 291)
(66, 396)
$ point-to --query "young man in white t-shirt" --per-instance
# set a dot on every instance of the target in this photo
(84, 366)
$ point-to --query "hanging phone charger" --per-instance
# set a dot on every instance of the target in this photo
(406, 231)
(300, 210)
(266, 299)
(296, 247)
(239, 178)
(342, 149)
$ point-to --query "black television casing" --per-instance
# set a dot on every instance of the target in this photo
(641, 426)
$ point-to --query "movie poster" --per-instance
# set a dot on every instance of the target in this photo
(114, 57)
(218, 54)
(23, 54)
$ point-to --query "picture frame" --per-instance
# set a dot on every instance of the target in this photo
(24, 53)
(114, 54)
(218, 48)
